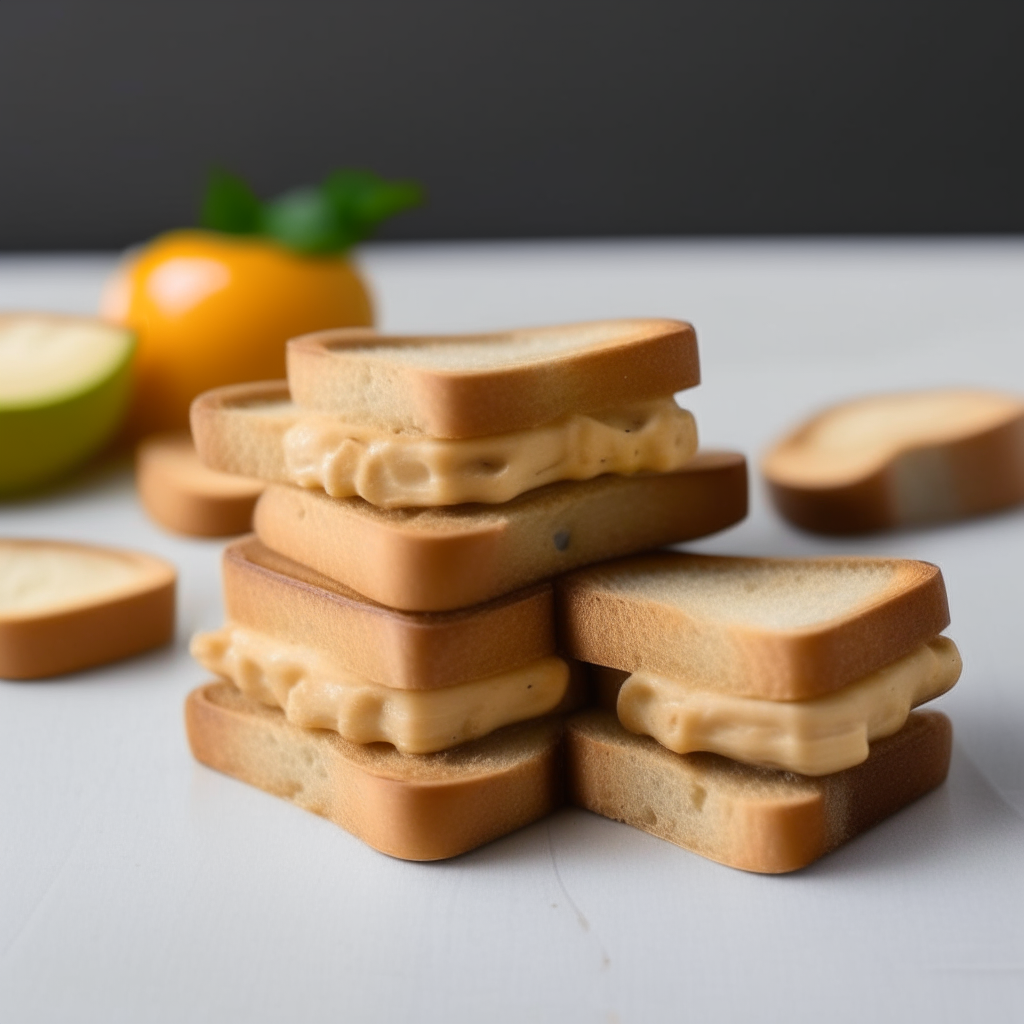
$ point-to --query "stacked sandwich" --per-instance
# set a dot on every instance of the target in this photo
(390, 653)
(757, 711)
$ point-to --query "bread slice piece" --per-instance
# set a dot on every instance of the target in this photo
(461, 386)
(252, 429)
(778, 629)
(288, 602)
(756, 819)
(439, 559)
(416, 807)
(181, 494)
(900, 460)
(65, 606)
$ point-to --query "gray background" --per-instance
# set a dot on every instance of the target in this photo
(530, 118)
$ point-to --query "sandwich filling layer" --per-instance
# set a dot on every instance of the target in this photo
(317, 695)
(395, 470)
(810, 737)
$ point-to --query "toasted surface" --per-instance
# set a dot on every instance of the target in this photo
(416, 807)
(901, 459)
(254, 431)
(66, 606)
(778, 629)
(462, 386)
(438, 559)
(817, 736)
(180, 493)
(270, 594)
(756, 819)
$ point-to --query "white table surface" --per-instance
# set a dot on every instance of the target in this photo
(136, 885)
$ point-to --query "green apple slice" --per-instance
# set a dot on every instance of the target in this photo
(64, 387)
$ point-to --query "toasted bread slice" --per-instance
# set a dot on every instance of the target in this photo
(253, 429)
(778, 629)
(900, 460)
(65, 607)
(462, 386)
(756, 819)
(288, 602)
(439, 559)
(181, 494)
(416, 807)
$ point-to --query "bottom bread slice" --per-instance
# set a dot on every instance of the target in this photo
(415, 806)
(757, 819)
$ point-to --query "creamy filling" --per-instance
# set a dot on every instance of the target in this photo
(396, 470)
(811, 737)
(317, 695)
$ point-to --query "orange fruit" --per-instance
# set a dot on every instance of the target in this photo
(211, 309)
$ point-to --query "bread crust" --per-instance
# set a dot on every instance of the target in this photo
(271, 594)
(437, 560)
(755, 819)
(181, 494)
(136, 617)
(415, 807)
(953, 478)
(341, 372)
(632, 631)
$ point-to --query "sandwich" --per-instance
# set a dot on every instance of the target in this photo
(424, 735)
(435, 421)
(900, 460)
(757, 711)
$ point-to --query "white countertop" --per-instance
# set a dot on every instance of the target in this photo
(137, 886)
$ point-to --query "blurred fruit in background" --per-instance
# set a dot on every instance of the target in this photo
(216, 306)
(64, 387)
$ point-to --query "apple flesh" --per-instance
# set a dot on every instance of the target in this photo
(64, 388)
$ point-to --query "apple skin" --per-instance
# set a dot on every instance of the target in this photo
(40, 443)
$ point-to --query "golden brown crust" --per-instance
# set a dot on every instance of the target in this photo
(951, 479)
(282, 599)
(137, 617)
(181, 494)
(416, 807)
(756, 819)
(435, 560)
(337, 372)
(633, 630)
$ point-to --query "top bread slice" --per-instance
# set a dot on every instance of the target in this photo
(462, 386)
(292, 604)
(900, 460)
(776, 629)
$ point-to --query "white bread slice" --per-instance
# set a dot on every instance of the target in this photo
(777, 629)
(65, 606)
(439, 559)
(900, 460)
(412, 806)
(268, 594)
(253, 430)
(461, 386)
(756, 819)
(181, 494)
